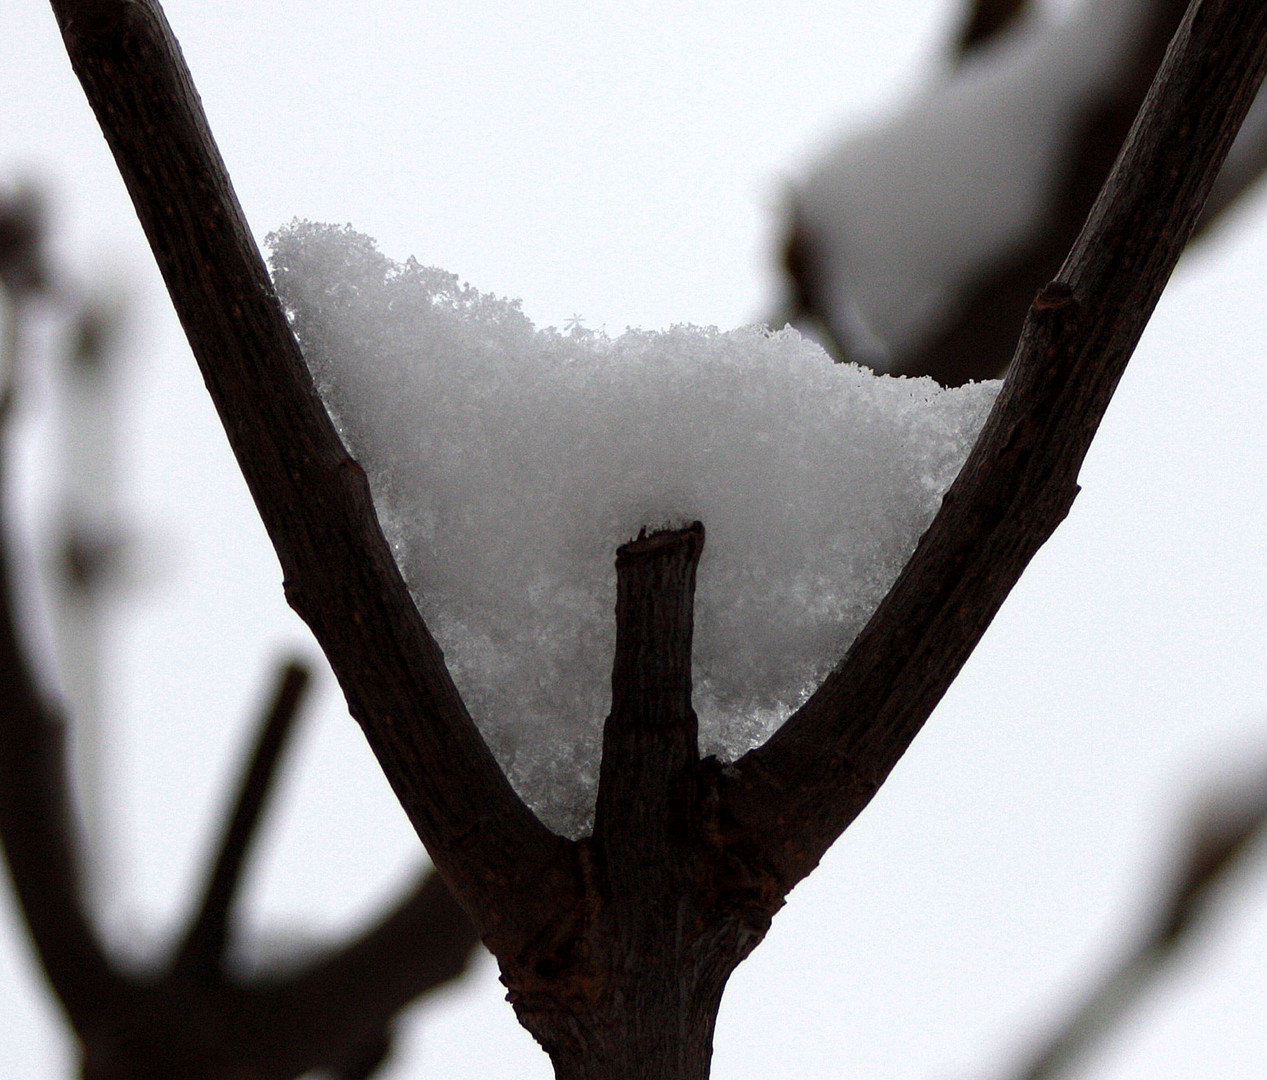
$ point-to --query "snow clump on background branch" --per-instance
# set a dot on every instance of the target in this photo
(508, 463)
(897, 221)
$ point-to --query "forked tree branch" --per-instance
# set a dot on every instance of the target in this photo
(802, 788)
(625, 982)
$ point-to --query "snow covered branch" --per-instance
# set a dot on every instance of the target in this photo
(616, 946)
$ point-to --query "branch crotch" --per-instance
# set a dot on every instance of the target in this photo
(633, 992)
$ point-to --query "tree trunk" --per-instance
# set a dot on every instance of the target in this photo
(645, 1013)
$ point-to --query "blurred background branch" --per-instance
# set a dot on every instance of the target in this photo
(194, 1016)
(1221, 832)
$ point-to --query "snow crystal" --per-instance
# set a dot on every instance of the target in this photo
(508, 464)
(905, 214)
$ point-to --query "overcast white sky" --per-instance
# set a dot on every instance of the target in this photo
(624, 164)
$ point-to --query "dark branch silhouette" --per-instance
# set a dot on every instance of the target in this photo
(208, 935)
(582, 929)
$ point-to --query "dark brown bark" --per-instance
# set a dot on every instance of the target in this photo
(616, 948)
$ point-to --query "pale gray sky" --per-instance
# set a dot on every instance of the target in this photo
(624, 164)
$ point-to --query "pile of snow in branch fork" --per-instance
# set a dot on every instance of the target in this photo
(905, 215)
(508, 463)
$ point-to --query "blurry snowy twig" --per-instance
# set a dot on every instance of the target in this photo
(916, 246)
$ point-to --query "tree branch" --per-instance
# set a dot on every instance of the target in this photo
(208, 934)
(618, 971)
(41, 844)
(313, 498)
(800, 790)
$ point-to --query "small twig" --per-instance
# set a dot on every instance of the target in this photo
(649, 740)
(207, 937)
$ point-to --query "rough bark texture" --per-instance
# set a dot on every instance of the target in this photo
(616, 948)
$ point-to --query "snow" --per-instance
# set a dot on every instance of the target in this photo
(907, 213)
(508, 464)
